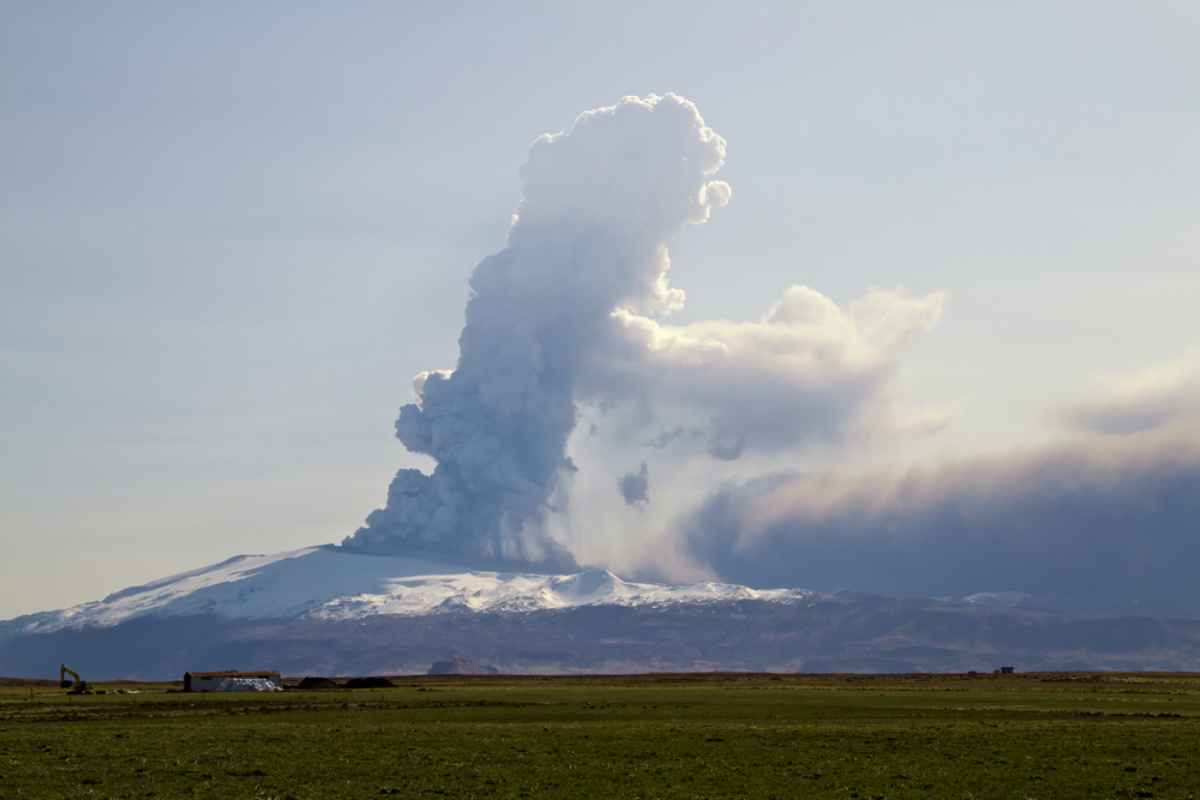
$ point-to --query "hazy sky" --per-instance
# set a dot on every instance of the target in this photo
(230, 234)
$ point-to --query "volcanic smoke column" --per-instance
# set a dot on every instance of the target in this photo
(599, 204)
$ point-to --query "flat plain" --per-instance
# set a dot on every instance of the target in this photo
(1103, 735)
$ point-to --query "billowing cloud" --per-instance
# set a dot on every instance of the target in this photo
(807, 370)
(1154, 398)
(569, 322)
(569, 316)
(599, 204)
(1098, 523)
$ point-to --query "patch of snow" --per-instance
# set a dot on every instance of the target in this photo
(998, 599)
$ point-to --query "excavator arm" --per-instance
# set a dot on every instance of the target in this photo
(63, 672)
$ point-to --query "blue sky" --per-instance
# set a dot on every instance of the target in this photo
(232, 235)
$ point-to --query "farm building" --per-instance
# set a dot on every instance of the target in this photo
(232, 681)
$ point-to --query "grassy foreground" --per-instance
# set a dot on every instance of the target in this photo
(1024, 736)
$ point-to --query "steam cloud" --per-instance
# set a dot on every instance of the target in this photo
(567, 316)
(599, 206)
(808, 370)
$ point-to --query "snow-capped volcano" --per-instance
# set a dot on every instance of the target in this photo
(329, 583)
(332, 611)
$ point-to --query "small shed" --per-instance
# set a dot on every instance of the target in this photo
(233, 681)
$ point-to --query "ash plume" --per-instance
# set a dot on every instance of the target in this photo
(565, 323)
(600, 203)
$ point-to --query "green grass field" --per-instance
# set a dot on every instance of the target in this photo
(1025, 736)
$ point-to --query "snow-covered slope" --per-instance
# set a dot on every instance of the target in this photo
(328, 583)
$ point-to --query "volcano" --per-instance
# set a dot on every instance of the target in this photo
(329, 610)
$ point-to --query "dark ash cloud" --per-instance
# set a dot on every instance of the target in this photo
(1092, 525)
(635, 486)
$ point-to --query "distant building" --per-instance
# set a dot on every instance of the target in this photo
(232, 681)
(1006, 670)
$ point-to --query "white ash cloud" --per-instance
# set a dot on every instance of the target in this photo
(600, 203)
(567, 319)
(807, 370)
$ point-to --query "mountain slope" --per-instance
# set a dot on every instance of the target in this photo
(329, 583)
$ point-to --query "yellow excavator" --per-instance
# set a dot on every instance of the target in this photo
(79, 686)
